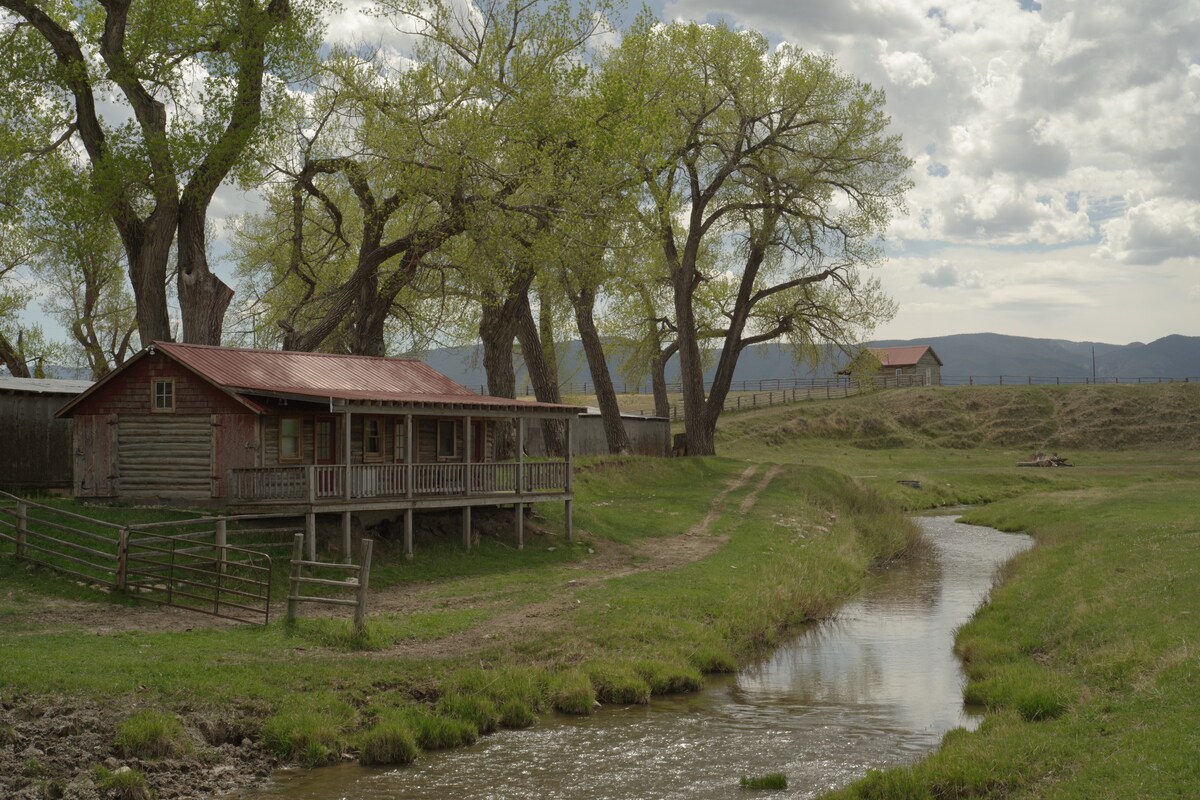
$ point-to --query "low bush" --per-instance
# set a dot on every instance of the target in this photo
(308, 736)
(571, 693)
(125, 783)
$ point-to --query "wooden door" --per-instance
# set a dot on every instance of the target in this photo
(478, 441)
(95, 438)
(325, 452)
(234, 446)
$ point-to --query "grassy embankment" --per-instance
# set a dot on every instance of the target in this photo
(1086, 656)
(451, 652)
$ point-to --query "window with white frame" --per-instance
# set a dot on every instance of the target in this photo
(163, 399)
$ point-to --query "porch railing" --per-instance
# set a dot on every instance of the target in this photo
(311, 483)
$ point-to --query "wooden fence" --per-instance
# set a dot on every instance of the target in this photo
(195, 569)
(357, 579)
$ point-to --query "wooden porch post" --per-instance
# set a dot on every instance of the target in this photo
(346, 538)
(568, 503)
(520, 456)
(408, 475)
(346, 439)
(466, 523)
(310, 534)
(408, 533)
(467, 443)
(519, 522)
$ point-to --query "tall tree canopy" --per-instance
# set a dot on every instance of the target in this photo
(160, 101)
(779, 162)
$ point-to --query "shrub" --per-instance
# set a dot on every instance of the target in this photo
(667, 678)
(773, 780)
(388, 742)
(151, 734)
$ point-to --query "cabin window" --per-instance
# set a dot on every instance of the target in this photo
(897, 371)
(291, 439)
(164, 395)
(400, 451)
(372, 439)
(447, 438)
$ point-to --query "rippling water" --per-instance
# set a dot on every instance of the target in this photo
(877, 685)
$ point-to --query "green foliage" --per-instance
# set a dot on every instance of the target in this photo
(124, 783)
(310, 736)
(571, 692)
(389, 741)
(438, 732)
(151, 734)
(617, 684)
(480, 712)
(774, 781)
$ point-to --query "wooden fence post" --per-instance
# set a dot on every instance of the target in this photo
(222, 536)
(123, 560)
(22, 526)
(294, 585)
(364, 578)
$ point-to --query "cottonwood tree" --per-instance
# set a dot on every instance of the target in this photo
(164, 99)
(784, 166)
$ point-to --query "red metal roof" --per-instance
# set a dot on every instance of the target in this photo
(341, 377)
(902, 356)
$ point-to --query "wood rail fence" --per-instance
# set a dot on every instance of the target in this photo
(357, 579)
(197, 569)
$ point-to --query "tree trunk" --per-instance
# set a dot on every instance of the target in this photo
(606, 397)
(658, 380)
(546, 335)
(699, 429)
(14, 357)
(497, 329)
(545, 388)
(149, 250)
(203, 297)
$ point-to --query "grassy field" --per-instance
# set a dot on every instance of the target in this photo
(666, 582)
(1086, 656)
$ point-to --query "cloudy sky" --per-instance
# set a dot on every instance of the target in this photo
(1057, 150)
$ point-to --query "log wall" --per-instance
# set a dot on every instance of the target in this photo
(165, 456)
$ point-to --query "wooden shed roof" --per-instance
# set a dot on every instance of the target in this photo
(903, 356)
(331, 377)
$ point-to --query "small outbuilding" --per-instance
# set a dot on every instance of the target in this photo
(306, 433)
(648, 435)
(37, 444)
(916, 365)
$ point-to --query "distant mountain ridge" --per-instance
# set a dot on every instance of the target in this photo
(985, 356)
(981, 355)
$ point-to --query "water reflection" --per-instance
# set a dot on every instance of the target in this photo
(875, 686)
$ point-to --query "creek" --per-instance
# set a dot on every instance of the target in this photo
(876, 685)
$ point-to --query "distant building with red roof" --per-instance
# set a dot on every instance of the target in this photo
(309, 433)
(909, 366)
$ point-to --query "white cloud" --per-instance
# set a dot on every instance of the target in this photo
(905, 68)
(1152, 232)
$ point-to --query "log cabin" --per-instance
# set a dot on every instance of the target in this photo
(297, 433)
(916, 365)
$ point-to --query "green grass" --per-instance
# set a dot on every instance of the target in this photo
(775, 781)
(314, 688)
(1085, 656)
(151, 734)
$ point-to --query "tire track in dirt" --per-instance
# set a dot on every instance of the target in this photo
(613, 562)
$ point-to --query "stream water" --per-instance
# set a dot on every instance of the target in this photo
(877, 685)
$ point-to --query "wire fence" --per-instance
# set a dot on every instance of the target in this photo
(842, 382)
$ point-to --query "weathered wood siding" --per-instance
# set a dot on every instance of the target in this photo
(234, 446)
(37, 447)
(95, 455)
(165, 456)
(130, 392)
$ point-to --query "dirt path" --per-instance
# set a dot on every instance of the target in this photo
(608, 562)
